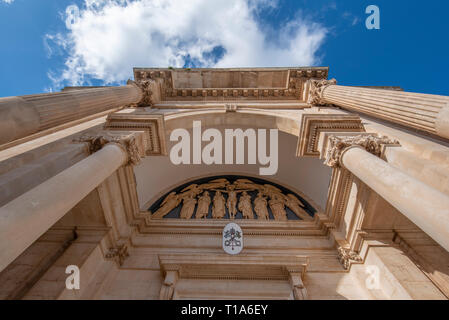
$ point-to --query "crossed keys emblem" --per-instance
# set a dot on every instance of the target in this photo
(233, 238)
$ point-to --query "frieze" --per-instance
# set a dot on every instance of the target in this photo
(239, 199)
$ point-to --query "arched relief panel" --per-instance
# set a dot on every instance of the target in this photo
(232, 197)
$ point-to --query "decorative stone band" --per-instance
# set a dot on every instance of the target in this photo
(338, 145)
(125, 141)
(316, 91)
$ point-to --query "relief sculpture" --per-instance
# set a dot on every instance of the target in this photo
(236, 199)
(218, 209)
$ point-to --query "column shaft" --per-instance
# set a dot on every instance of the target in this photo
(26, 115)
(428, 208)
(424, 112)
(26, 218)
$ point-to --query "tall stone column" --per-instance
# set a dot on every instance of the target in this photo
(26, 115)
(424, 112)
(26, 218)
(425, 206)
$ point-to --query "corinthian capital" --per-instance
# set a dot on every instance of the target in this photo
(316, 91)
(371, 143)
(126, 141)
(147, 92)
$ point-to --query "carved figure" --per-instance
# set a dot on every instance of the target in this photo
(188, 206)
(297, 207)
(245, 206)
(203, 206)
(231, 203)
(260, 206)
(218, 209)
(170, 202)
(277, 206)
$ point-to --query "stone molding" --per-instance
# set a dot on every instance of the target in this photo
(151, 123)
(244, 267)
(125, 141)
(312, 125)
(372, 143)
(316, 91)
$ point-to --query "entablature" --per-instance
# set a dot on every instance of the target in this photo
(230, 84)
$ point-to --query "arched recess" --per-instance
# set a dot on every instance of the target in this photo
(284, 120)
(309, 175)
(297, 207)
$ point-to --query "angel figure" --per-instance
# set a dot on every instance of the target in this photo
(297, 207)
(202, 209)
(188, 206)
(245, 206)
(170, 202)
(277, 206)
(260, 206)
(218, 208)
(244, 184)
(215, 184)
(192, 189)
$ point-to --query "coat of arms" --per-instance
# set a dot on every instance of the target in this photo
(232, 238)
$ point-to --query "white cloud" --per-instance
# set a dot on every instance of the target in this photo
(8, 1)
(105, 39)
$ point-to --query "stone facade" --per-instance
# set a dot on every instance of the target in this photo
(358, 209)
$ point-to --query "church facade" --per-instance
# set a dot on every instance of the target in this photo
(249, 183)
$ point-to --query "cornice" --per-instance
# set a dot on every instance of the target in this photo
(313, 124)
(293, 88)
(152, 124)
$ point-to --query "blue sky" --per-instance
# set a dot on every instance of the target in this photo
(47, 44)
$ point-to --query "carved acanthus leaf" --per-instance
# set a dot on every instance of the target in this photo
(346, 257)
(316, 91)
(127, 142)
(147, 92)
(371, 143)
(118, 253)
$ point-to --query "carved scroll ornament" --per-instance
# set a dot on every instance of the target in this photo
(371, 143)
(346, 257)
(126, 142)
(147, 92)
(316, 91)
